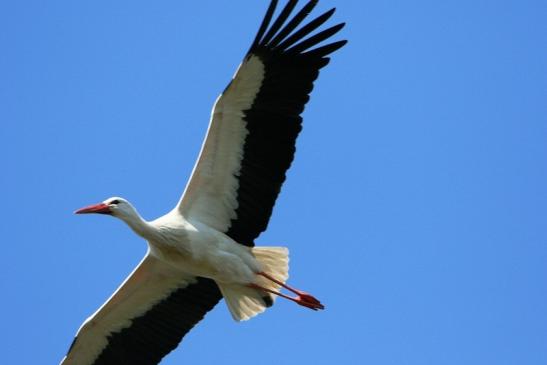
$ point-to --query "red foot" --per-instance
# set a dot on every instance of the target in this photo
(309, 301)
(304, 299)
(308, 297)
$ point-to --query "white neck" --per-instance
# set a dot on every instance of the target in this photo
(133, 219)
(138, 225)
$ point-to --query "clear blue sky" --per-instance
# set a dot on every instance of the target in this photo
(416, 208)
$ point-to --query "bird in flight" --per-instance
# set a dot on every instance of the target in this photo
(204, 249)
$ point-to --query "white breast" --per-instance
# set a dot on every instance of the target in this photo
(197, 249)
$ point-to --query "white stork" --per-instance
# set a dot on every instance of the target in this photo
(203, 250)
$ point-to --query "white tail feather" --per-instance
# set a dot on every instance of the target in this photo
(245, 302)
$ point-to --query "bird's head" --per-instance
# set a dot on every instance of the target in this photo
(115, 206)
(122, 209)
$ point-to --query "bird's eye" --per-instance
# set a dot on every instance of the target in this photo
(116, 201)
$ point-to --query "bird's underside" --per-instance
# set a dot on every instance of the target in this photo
(203, 250)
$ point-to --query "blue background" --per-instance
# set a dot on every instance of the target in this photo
(415, 209)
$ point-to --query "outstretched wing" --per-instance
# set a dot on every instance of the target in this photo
(251, 139)
(145, 318)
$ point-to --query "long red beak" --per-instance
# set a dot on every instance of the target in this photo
(100, 208)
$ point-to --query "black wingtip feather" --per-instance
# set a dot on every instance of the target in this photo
(316, 39)
(265, 23)
(305, 30)
(293, 23)
(326, 50)
(285, 13)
